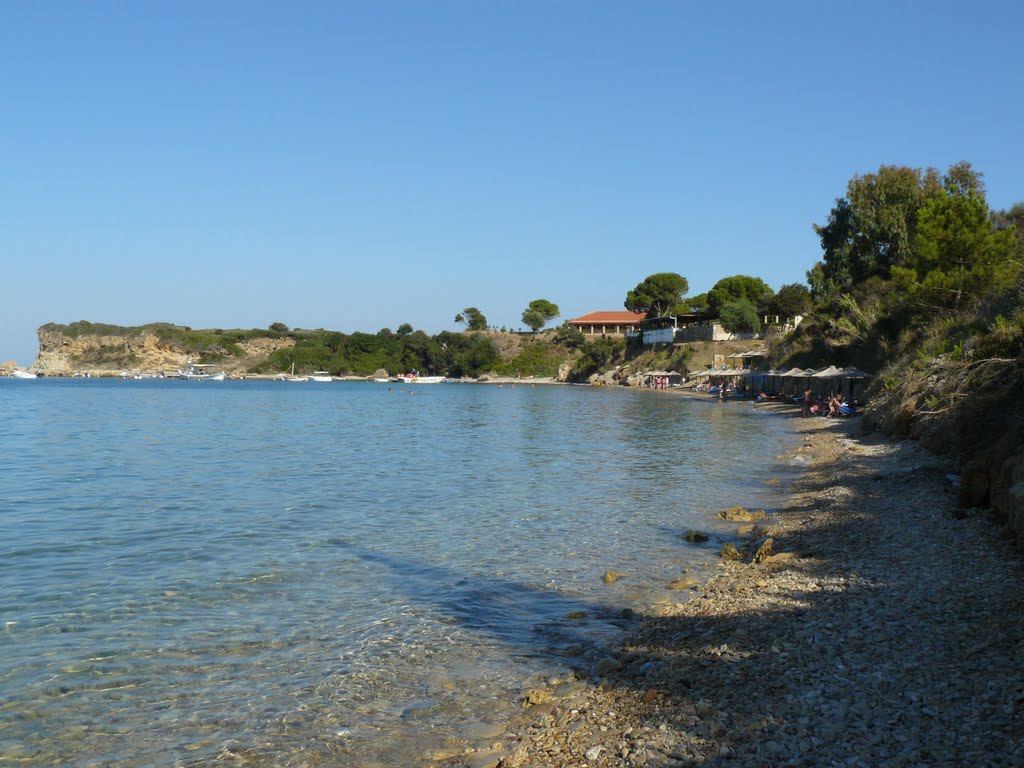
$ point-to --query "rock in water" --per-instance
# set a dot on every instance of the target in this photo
(685, 582)
(695, 537)
(610, 577)
(741, 515)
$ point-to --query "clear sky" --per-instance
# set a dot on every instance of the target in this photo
(358, 165)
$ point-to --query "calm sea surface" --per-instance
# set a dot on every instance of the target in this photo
(262, 573)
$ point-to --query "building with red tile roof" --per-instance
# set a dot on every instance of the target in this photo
(608, 323)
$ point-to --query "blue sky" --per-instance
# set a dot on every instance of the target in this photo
(353, 166)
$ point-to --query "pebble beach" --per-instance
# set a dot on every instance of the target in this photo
(868, 624)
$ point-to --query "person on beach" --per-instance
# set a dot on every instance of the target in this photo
(808, 399)
(833, 405)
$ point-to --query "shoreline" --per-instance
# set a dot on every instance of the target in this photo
(879, 628)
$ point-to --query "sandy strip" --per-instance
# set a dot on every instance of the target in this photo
(883, 631)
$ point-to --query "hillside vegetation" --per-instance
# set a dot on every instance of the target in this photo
(356, 354)
(923, 283)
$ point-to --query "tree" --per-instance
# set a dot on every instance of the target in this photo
(658, 294)
(404, 330)
(791, 300)
(472, 318)
(874, 228)
(698, 303)
(279, 327)
(961, 256)
(740, 316)
(537, 314)
(468, 354)
(729, 289)
(1012, 219)
(571, 337)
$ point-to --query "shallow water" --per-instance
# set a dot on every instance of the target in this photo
(276, 574)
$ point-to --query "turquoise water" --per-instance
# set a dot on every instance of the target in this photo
(332, 574)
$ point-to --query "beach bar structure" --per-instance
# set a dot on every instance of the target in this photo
(617, 323)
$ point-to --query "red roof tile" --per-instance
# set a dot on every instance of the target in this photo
(622, 318)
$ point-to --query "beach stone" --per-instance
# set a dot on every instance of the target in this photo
(539, 710)
(741, 515)
(483, 730)
(536, 696)
(779, 561)
(729, 552)
(764, 551)
(695, 537)
(605, 666)
(420, 710)
(610, 577)
(484, 759)
(684, 582)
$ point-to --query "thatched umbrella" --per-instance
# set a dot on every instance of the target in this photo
(849, 375)
(793, 374)
(831, 374)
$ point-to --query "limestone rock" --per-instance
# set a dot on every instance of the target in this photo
(488, 759)
(729, 552)
(741, 515)
(610, 577)
(779, 561)
(764, 551)
(536, 696)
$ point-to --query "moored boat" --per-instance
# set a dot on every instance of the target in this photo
(320, 376)
(17, 373)
(292, 377)
(200, 372)
(413, 378)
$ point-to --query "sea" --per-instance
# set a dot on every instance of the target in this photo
(264, 573)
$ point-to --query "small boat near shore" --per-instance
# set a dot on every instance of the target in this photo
(412, 378)
(321, 376)
(17, 373)
(291, 377)
(200, 372)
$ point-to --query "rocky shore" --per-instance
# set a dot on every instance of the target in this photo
(869, 624)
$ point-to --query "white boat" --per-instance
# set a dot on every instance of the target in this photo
(412, 378)
(320, 376)
(292, 377)
(19, 374)
(200, 372)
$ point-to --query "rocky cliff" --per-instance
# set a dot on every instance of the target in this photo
(143, 349)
